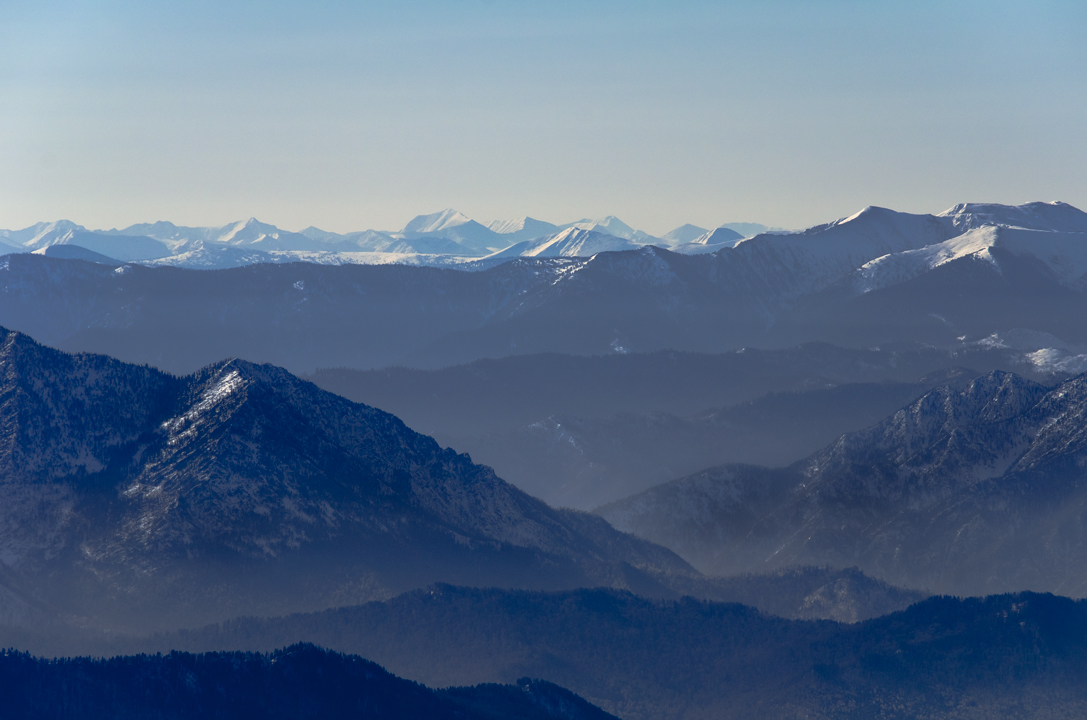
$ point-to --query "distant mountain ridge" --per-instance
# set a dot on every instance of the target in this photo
(876, 279)
(966, 491)
(571, 242)
(443, 238)
(450, 238)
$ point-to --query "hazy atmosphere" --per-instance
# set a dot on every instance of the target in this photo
(350, 116)
(508, 360)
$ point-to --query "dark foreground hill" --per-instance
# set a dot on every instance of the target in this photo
(970, 491)
(297, 682)
(1010, 656)
(135, 499)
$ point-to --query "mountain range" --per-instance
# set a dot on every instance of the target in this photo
(877, 279)
(834, 427)
(447, 238)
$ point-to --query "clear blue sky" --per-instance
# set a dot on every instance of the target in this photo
(350, 115)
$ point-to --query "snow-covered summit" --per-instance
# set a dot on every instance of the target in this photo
(524, 228)
(710, 242)
(1064, 253)
(571, 242)
(435, 222)
(42, 234)
(449, 224)
(1051, 216)
(609, 225)
(684, 234)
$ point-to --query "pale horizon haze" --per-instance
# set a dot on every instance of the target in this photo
(351, 116)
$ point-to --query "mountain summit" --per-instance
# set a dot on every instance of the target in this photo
(143, 499)
(967, 491)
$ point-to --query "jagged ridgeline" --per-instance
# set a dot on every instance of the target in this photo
(136, 499)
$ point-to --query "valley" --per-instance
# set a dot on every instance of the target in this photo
(588, 471)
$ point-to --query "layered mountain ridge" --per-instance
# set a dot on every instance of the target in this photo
(875, 279)
(136, 497)
(969, 491)
(446, 238)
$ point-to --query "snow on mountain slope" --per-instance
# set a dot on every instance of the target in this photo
(522, 225)
(75, 252)
(212, 256)
(1065, 253)
(795, 264)
(316, 233)
(871, 249)
(970, 491)
(174, 236)
(1052, 216)
(245, 233)
(369, 240)
(252, 233)
(895, 268)
(41, 234)
(127, 479)
(748, 229)
(572, 242)
(609, 225)
(1054, 360)
(683, 234)
(63, 232)
(435, 222)
(452, 225)
(525, 228)
(710, 242)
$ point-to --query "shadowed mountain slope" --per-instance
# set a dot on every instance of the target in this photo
(142, 499)
(967, 491)
(583, 431)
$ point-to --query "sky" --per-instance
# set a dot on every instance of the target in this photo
(356, 115)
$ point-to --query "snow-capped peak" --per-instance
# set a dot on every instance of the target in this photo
(247, 231)
(524, 228)
(43, 234)
(1050, 216)
(436, 222)
(610, 225)
(505, 227)
(684, 233)
(720, 237)
(571, 242)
